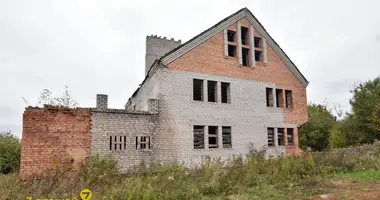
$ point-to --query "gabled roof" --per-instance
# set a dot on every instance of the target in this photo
(220, 26)
(225, 23)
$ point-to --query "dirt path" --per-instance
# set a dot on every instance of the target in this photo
(348, 190)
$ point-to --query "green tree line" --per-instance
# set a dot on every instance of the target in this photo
(359, 126)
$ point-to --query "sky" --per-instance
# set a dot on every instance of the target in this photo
(98, 47)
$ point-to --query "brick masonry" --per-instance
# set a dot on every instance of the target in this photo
(54, 138)
(247, 113)
(110, 123)
(163, 109)
(208, 58)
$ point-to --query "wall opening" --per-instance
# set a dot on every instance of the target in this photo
(118, 143)
(231, 50)
(244, 35)
(245, 54)
(280, 136)
(289, 99)
(142, 142)
(226, 135)
(269, 97)
(197, 90)
(270, 132)
(213, 137)
(257, 41)
(199, 137)
(225, 90)
(231, 35)
(257, 56)
(211, 91)
(290, 136)
(279, 98)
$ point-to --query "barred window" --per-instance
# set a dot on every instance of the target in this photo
(280, 136)
(142, 142)
(118, 142)
(269, 97)
(199, 134)
(270, 136)
(226, 135)
(290, 136)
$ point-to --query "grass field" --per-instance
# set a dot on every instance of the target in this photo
(327, 177)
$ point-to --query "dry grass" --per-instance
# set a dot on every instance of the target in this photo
(285, 178)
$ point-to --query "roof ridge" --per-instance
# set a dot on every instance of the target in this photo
(192, 43)
(195, 37)
(247, 13)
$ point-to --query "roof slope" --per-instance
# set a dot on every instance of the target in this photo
(220, 26)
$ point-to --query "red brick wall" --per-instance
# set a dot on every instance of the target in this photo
(54, 138)
(209, 58)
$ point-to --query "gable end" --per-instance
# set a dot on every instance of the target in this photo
(273, 44)
(207, 34)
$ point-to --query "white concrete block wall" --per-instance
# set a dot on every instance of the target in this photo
(172, 135)
(109, 123)
(247, 114)
(149, 90)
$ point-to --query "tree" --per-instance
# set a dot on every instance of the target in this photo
(316, 132)
(46, 98)
(365, 110)
(10, 153)
(376, 117)
(337, 138)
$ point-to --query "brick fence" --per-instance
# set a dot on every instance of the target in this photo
(54, 138)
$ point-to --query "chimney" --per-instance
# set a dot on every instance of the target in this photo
(102, 101)
(157, 47)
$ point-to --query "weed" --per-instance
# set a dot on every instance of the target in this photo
(250, 177)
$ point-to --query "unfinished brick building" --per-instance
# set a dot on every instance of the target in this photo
(225, 91)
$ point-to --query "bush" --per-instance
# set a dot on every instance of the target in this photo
(315, 132)
(337, 138)
(366, 157)
(10, 153)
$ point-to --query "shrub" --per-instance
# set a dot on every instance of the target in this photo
(315, 132)
(246, 177)
(100, 167)
(350, 159)
(10, 153)
(337, 138)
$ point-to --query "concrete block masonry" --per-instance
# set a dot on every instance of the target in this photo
(55, 138)
(159, 122)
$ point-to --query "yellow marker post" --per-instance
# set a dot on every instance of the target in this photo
(85, 194)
